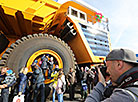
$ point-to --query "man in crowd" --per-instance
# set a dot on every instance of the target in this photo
(7, 79)
(38, 83)
(90, 77)
(44, 61)
(71, 79)
(122, 66)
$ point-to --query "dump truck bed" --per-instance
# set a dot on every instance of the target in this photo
(22, 17)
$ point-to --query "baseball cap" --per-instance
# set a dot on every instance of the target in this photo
(122, 54)
(34, 63)
(9, 72)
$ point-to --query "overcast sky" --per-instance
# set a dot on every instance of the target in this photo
(123, 21)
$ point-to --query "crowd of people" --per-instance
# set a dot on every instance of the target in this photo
(30, 86)
(120, 84)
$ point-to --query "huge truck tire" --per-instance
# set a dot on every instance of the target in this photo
(18, 54)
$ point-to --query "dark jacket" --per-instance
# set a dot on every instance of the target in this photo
(71, 78)
(9, 80)
(44, 63)
(38, 76)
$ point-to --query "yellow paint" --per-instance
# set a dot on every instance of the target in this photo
(82, 47)
(50, 11)
(32, 7)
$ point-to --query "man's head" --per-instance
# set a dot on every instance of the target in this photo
(71, 69)
(119, 61)
(82, 69)
(47, 55)
(34, 63)
(25, 70)
(51, 58)
(4, 70)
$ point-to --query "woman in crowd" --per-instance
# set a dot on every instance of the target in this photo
(60, 83)
(55, 76)
(23, 80)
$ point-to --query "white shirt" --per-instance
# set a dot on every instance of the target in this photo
(59, 86)
(63, 79)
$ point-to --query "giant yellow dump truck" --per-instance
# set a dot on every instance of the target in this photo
(72, 33)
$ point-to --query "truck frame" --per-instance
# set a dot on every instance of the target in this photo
(73, 33)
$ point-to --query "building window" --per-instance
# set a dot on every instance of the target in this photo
(82, 16)
(74, 13)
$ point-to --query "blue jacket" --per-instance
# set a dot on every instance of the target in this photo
(22, 83)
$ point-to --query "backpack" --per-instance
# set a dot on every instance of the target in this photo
(84, 85)
(63, 89)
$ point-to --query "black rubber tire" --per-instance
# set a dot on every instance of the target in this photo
(19, 52)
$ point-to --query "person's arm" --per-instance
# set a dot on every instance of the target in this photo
(63, 79)
(43, 57)
(22, 84)
(68, 79)
(53, 74)
(75, 77)
(97, 92)
(13, 82)
(2, 86)
(37, 70)
(118, 95)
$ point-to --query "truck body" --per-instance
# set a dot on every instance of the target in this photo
(73, 33)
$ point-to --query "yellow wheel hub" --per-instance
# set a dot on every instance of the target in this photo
(42, 52)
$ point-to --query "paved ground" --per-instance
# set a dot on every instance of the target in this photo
(66, 98)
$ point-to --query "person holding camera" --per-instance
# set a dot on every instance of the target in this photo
(122, 66)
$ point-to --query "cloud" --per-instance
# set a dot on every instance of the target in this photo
(121, 21)
(119, 32)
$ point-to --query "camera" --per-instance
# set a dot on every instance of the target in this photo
(103, 70)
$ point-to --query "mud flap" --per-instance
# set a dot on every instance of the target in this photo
(3, 42)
